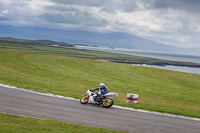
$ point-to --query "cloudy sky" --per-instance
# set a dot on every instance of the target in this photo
(173, 22)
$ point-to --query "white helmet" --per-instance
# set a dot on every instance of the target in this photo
(101, 84)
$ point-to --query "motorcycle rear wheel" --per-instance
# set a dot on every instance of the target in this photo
(84, 100)
(107, 103)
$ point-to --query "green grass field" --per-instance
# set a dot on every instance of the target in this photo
(58, 71)
(19, 124)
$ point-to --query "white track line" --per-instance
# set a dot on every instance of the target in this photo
(114, 106)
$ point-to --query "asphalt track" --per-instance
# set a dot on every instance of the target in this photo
(15, 101)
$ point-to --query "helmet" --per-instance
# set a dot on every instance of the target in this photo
(101, 85)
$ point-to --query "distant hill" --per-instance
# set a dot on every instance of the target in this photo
(113, 39)
(40, 42)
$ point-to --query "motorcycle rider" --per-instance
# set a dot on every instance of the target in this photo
(102, 88)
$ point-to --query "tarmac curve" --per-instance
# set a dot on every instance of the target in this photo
(47, 106)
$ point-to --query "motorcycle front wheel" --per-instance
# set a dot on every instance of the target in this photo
(107, 103)
(84, 100)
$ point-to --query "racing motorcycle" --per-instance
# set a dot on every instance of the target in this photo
(94, 96)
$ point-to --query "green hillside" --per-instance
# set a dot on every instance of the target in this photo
(58, 71)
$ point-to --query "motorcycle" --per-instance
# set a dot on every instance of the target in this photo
(94, 96)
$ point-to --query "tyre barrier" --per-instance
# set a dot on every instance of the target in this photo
(132, 98)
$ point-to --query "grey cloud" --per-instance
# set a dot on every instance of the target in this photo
(84, 19)
(187, 5)
(105, 5)
(59, 18)
(3, 18)
(80, 2)
(62, 8)
(113, 6)
(130, 5)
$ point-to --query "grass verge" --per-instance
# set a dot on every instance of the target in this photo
(18, 124)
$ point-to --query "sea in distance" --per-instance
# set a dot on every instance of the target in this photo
(155, 54)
